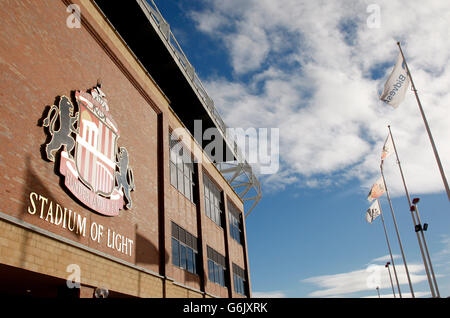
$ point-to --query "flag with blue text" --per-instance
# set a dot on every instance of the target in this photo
(397, 84)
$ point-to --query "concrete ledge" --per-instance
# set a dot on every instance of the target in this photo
(59, 238)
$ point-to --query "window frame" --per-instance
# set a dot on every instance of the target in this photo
(186, 250)
(239, 280)
(235, 222)
(216, 270)
(177, 250)
(182, 174)
(213, 200)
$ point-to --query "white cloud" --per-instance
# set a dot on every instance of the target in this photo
(362, 280)
(269, 294)
(441, 259)
(445, 241)
(386, 258)
(305, 66)
(208, 20)
(365, 280)
(419, 294)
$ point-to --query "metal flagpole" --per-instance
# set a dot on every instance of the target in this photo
(396, 230)
(414, 207)
(390, 253)
(390, 277)
(412, 213)
(438, 160)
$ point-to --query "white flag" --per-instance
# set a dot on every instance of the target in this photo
(373, 212)
(396, 85)
(377, 190)
(388, 148)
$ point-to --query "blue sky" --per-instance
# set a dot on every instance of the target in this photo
(313, 69)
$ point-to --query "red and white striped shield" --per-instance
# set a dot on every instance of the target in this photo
(95, 148)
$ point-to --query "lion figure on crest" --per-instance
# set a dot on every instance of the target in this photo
(62, 136)
(124, 176)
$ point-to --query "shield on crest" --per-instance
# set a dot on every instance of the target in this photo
(95, 148)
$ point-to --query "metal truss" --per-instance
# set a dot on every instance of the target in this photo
(241, 178)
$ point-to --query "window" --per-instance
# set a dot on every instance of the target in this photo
(184, 249)
(175, 252)
(181, 168)
(216, 267)
(235, 218)
(183, 256)
(239, 280)
(213, 200)
(190, 260)
(211, 273)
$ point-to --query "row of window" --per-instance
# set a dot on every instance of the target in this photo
(182, 178)
(239, 285)
(216, 273)
(185, 256)
(216, 266)
(184, 249)
(239, 280)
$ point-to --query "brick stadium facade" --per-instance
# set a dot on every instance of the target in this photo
(47, 234)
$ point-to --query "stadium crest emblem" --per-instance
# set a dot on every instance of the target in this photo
(95, 170)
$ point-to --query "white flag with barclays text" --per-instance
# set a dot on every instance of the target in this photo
(397, 84)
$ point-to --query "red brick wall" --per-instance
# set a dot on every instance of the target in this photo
(41, 59)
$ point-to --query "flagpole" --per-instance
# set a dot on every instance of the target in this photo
(390, 253)
(412, 213)
(390, 277)
(438, 160)
(396, 230)
(414, 207)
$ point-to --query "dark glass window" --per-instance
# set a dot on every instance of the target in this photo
(211, 270)
(217, 274)
(184, 249)
(190, 260)
(239, 280)
(222, 277)
(183, 256)
(175, 252)
(195, 263)
(216, 267)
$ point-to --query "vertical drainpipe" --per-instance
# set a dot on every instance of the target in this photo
(161, 158)
(226, 231)
(200, 242)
